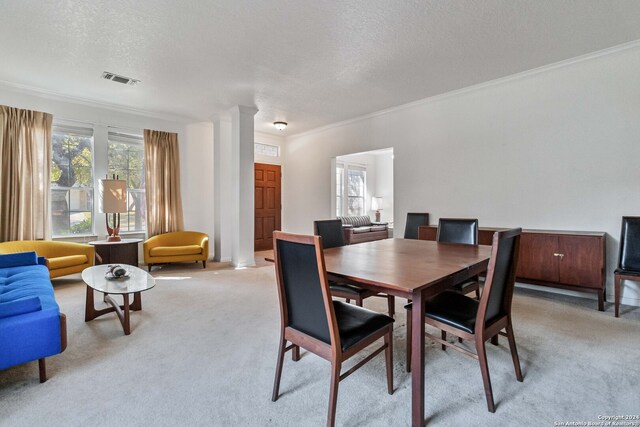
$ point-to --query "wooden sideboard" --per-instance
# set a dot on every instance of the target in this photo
(573, 260)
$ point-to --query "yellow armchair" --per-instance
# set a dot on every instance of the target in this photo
(179, 246)
(62, 257)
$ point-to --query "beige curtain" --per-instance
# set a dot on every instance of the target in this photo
(162, 186)
(25, 165)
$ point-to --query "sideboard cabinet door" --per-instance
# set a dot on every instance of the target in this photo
(537, 260)
(581, 263)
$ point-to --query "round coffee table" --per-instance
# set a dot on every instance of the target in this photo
(137, 282)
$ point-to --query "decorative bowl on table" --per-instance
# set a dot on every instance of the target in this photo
(116, 272)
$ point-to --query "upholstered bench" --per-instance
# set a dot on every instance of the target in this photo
(358, 229)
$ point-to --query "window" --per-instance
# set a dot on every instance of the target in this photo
(350, 189)
(71, 181)
(126, 161)
(356, 179)
(268, 150)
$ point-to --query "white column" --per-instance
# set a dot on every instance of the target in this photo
(234, 187)
(222, 187)
(243, 199)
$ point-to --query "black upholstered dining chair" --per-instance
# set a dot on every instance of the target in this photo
(629, 256)
(332, 236)
(463, 231)
(415, 220)
(479, 321)
(311, 319)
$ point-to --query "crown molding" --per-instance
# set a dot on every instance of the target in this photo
(496, 82)
(56, 96)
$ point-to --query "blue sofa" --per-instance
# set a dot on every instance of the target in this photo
(31, 325)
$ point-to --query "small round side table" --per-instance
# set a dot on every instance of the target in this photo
(123, 252)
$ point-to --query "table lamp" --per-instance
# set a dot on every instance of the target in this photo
(113, 194)
(376, 205)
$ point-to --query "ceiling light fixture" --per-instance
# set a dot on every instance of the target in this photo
(280, 125)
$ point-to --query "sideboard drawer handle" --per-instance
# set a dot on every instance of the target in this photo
(560, 255)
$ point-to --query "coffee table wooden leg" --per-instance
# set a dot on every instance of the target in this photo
(89, 308)
(126, 325)
(121, 310)
(137, 302)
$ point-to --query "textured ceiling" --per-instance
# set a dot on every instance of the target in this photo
(310, 63)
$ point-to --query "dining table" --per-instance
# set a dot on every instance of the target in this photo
(413, 269)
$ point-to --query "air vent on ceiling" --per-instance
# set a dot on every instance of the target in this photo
(119, 79)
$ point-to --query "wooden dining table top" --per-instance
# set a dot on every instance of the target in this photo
(405, 266)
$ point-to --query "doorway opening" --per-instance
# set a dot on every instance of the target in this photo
(362, 184)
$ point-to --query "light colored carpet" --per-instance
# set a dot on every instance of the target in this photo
(203, 352)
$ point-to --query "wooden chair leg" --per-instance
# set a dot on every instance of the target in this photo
(149, 266)
(276, 382)
(514, 351)
(494, 339)
(42, 367)
(347, 300)
(359, 302)
(333, 393)
(388, 340)
(408, 339)
(443, 335)
(618, 284)
(204, 264)
(484, 369)
(478, 293)
(391, 302)
(295, 353)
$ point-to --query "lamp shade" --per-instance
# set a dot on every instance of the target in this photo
(376, 203)
(113, 195)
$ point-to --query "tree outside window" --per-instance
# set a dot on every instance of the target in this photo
(72, 181)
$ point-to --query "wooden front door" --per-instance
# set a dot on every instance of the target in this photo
(267, 216)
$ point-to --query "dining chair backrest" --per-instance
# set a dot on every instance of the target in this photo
(415, 220)
(498, 287)
(331, 232)
(302, 285)
(629, 258)
(458, 230)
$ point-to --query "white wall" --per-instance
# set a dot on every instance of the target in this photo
(550, 149)
(196, 180)
(196, 147)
